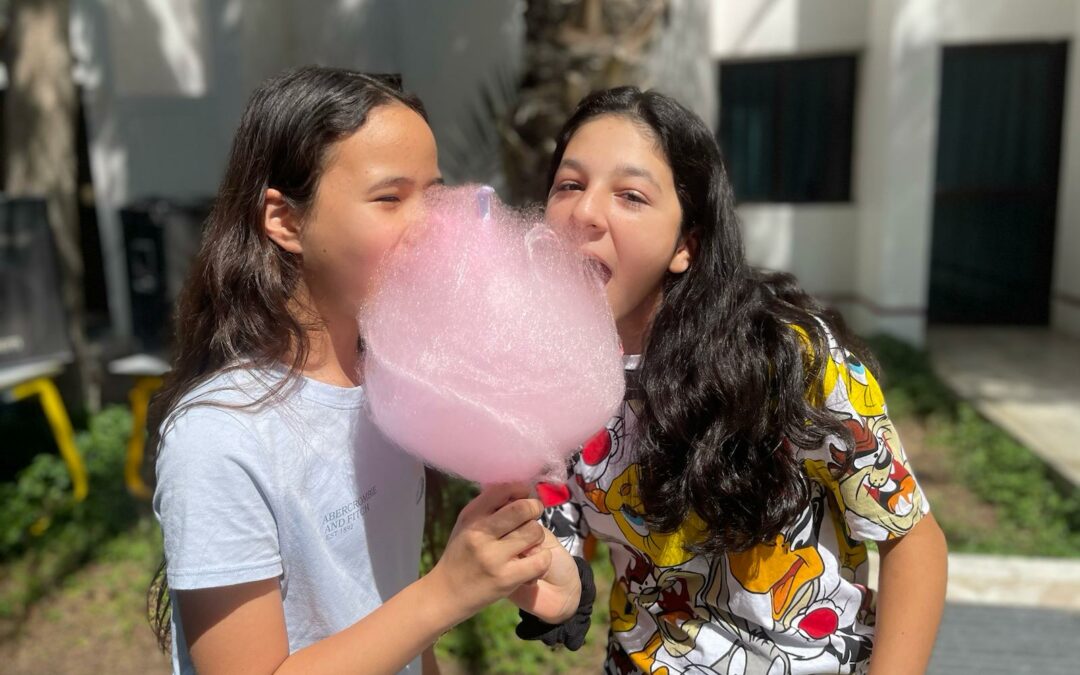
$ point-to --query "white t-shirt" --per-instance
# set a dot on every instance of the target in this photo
(303, 489)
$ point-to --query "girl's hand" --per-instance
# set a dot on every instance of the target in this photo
(495, 548)
(554, 597)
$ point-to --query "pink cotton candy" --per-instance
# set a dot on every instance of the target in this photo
(490, 350)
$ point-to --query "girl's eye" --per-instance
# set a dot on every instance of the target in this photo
(634, 196)
(388, 199)
(568, 185)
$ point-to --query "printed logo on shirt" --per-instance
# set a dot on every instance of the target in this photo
(344, 519)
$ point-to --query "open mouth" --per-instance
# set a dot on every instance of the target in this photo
(597, 269)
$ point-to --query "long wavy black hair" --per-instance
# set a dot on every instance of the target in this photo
(730, 389)
(236, 302)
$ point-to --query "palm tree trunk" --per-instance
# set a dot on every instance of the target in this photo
(39, 136)
(571, 49)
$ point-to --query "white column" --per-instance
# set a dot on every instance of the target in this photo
(895, 159)
(1065, 296)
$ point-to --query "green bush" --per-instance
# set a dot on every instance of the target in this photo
(1037, 513)
(908, 378)
(38, 507)
(44, 533)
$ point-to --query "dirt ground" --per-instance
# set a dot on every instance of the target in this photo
(94, 624)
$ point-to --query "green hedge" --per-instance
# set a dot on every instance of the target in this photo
(1037, 512)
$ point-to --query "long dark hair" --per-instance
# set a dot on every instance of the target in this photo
(730, 389)
(236, 303)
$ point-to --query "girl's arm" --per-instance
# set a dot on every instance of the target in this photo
(911, 598)
(429, 664)
(241, 629)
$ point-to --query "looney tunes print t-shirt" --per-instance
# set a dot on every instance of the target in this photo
(799, 604)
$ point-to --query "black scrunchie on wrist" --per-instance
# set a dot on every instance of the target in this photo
(571, 632)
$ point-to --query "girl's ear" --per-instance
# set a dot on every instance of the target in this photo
(280, 222)
(684, 254)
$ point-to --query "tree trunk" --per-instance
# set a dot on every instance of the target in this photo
(39, 137)
(571, 49)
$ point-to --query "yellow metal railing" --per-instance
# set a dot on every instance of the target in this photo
(60, 423)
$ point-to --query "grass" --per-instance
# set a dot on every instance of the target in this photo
(1026, 509)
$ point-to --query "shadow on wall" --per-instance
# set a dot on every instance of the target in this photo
(158, 48)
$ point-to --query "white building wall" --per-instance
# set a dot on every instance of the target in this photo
(895, 141)
(758, 28)
(817, 242)
(871, 257)
(972, 21)
(165, 82)
(164, 128)
(1065, 307)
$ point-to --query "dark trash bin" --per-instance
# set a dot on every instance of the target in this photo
(161, 237)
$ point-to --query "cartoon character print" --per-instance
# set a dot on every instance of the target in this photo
(657, 612)
(664, 549)
(565, 522)
(850, 553)
(676, 618)
(881, 489)
(877, 492)
(785, 568)
(598, 454)
(622, 603)
(618, 662)
(673, 603)
(858, 390)
(796, 604)
(814, 627)
(737, 660)
(563, 516)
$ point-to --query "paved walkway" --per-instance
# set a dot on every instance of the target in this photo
(1008, 615)
(1026, 380)
(988, 640)
(1011, 615)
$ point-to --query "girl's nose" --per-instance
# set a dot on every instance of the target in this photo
(588, 213)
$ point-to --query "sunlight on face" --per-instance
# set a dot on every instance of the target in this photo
(614, 188)
(371, 190)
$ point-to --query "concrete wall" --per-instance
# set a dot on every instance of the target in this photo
(871, 257)
(758, 28)
(817, 242)
(970, 21)
(165, 81)
(1066, 294)
(896, 134)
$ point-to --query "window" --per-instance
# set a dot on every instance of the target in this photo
(786, 128)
